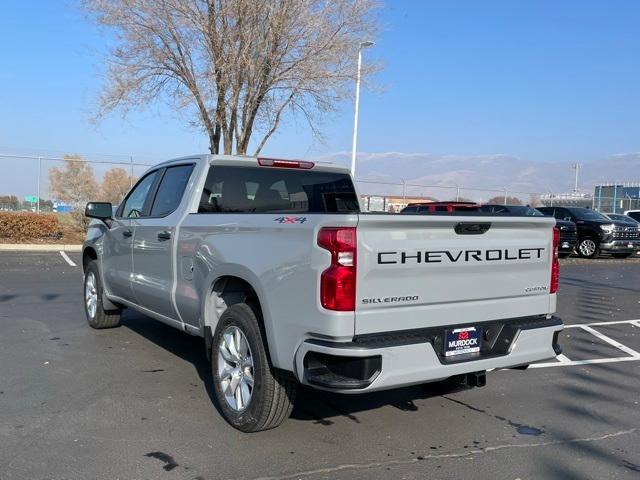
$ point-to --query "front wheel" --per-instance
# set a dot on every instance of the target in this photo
(97, 316)
(587, 248)
(252, 395)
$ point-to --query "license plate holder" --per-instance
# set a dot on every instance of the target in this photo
(462, 341)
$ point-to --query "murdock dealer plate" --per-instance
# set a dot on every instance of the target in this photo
(462, 341)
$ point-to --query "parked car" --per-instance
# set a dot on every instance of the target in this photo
(597, 233)
(619, 217)
(635, 214)
(568, 229)
(440, 207)
(274, 265)
(513, 210)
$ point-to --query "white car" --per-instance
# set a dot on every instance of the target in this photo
(635, 214)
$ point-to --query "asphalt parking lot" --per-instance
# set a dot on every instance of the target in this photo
(136, 402)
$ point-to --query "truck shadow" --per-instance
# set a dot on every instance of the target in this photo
(178, 343)
(311, 405)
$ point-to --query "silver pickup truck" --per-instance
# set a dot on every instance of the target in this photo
(274, 264)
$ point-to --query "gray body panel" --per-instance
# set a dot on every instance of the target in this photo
(173, 280)
(117, 259)
(153, 265)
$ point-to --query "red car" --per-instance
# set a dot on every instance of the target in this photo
(433, 207)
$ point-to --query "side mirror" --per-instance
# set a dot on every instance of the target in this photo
(568, 219)
(100, 210)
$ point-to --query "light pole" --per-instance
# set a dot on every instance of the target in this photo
(355, 120)
(576, 167)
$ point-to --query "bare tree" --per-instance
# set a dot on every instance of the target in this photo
(73, 184)
(115, 185)
(534, 200)
(239, 66)
(502, 200)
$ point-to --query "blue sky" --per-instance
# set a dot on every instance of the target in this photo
(541, 80)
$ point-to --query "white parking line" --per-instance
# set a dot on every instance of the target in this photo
(67, 259)
(611, 341)
(600, 324)
(584, 362)
(564, 361)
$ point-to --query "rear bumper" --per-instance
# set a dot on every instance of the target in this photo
(395, 360)
(567, 245)
(622, 246)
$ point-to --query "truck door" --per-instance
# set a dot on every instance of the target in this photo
(154, 237)
(117, 260)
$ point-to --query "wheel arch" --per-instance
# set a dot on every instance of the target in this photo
(88, 254)
(229, 287)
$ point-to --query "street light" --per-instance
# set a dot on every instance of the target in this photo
(576, 167)
(362, 46)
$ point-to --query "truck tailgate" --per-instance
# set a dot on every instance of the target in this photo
(424, 271)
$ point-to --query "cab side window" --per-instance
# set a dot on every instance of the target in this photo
(135, 202)
(174, 181)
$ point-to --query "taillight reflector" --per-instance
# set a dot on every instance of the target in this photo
(555, 265)
(273, 162)
(338, 282)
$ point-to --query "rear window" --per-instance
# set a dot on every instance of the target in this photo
(634, 215)
(276, 190)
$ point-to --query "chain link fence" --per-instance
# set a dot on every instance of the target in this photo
(26, 184)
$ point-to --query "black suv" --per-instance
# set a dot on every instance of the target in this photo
(597, 233)
(568, 229)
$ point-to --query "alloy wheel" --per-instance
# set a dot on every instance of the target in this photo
(91, 294)
(235, 368)
(587, 247)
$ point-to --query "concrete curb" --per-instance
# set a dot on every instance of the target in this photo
(37, 247)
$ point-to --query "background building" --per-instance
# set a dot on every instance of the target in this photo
(616, 198)
(393, 204)
(573, 199)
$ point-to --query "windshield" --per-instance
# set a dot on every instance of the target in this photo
(587, 214)
(526, 211)
(515, 210)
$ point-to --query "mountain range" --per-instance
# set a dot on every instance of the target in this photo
(482, 176)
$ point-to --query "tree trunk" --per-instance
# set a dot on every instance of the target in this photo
(214, 141)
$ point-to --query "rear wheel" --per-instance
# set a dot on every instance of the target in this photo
(97, 316)
(588, 248)
(622, 255)
(252, 395)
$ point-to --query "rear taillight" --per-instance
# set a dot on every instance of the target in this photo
(338, 282)
(555, 265)
(278, 163)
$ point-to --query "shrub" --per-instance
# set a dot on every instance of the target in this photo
(26, 225)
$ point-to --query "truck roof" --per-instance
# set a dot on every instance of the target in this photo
(250, 161)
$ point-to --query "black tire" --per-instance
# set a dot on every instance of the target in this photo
(588, 247)
(622, 255)
(101, 318)
(272, 394)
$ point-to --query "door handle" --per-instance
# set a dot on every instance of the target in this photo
(164, 235)
(127, 233)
